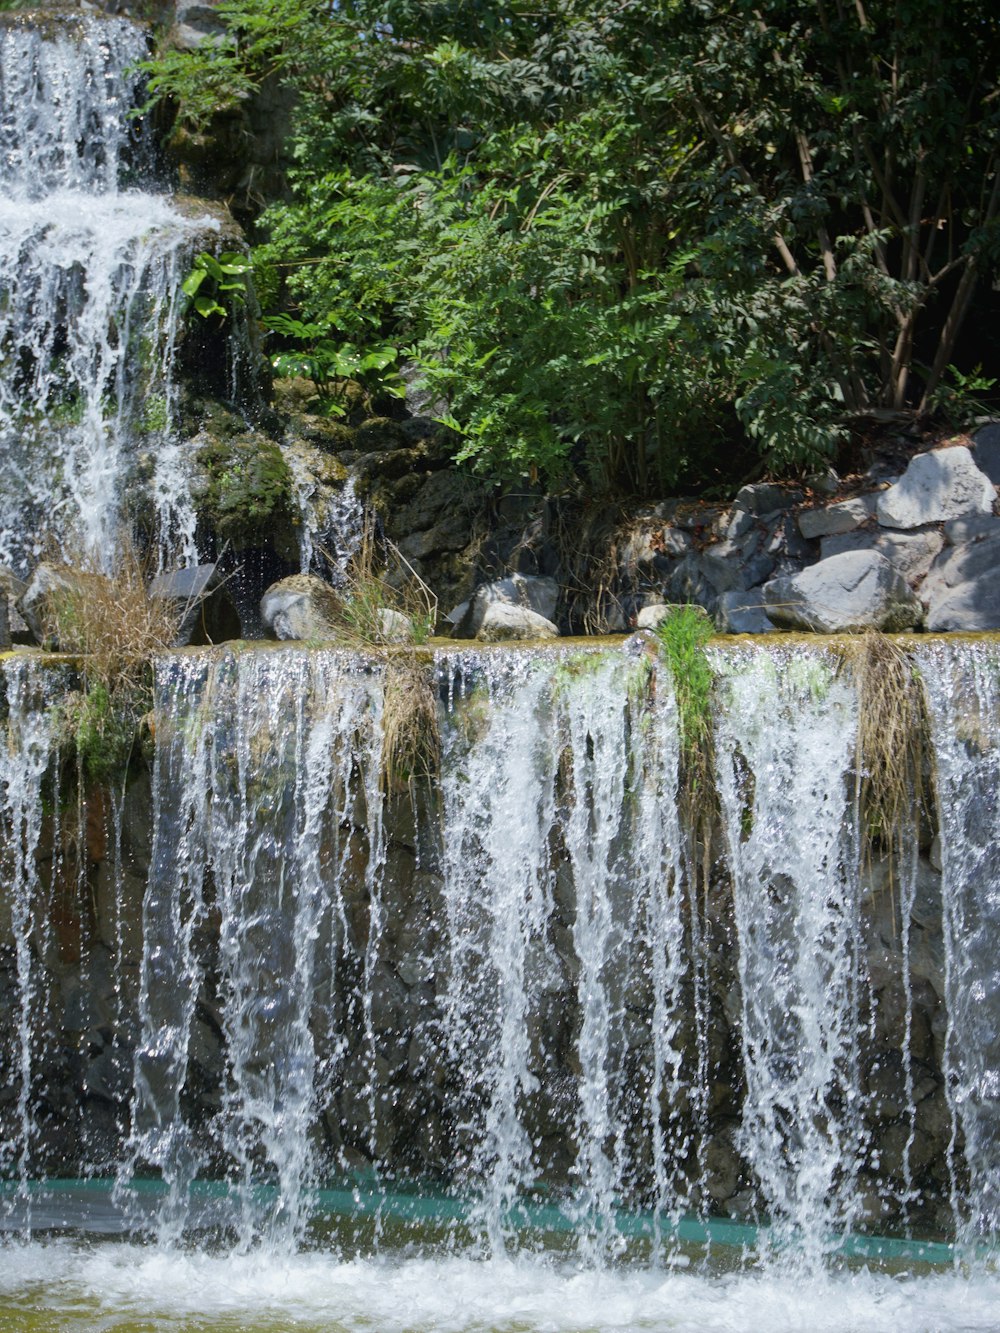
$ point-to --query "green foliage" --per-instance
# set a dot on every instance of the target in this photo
(215, 284)
(637, 244)
(333, 365)
(682, 637)
(100, 722)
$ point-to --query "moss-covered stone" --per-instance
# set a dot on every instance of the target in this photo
(379, 434)
(247, 491)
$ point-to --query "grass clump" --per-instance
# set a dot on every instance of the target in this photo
(385, 601)
(682, 637)
(892, 725)
(115, 628)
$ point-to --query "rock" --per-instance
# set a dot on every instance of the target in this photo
(826, 482)
(502, 621)
(962, 591)
(394, 627)
(911, 553)
(935, 487)
(986, 449)
(960, 531)
(829, 520)
(765, 498)
(49, 600)
(302, 607)
(857, 590)
(534, 592)
(188, 589)
(12, 588)
(742, 613)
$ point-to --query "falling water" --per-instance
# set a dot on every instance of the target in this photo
(90, 269)
(786, 729)
(258, 764)
(962, 686)
(25, 760)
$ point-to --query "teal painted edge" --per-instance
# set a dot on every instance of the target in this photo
(364, 1200)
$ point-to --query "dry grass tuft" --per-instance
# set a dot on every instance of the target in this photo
(411, 736)
(112, 624)
(890, 745)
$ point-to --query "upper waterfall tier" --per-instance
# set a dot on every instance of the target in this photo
(66, 88)
(90, 273)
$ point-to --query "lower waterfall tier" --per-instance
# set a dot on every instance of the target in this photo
(487, 928)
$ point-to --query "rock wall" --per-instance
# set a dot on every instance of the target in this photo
(405, 1026)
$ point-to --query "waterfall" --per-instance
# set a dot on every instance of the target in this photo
(259, 761)
(90, 268)
(963, 694)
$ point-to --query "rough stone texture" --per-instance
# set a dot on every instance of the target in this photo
(535, 593)
(986, 448)
(11, 589)
(854, 591)
(502, 621)
(911, 553)
(962, 590)
(959, 531)
(765, 498)
(939, 485)
(301, 607)
(394, 627)
(50, 586)
(743, 613)
(843, 517)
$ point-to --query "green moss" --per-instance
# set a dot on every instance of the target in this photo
(248, 488)
(100, 727)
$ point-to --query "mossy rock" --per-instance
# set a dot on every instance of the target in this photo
(378, 435)
(247, 489)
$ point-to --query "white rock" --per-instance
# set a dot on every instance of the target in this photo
(857, 590)
(301, 607)
(937, 486)
(501, 621)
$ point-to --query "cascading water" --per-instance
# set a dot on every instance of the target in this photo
(515, 1008)
(90, 272)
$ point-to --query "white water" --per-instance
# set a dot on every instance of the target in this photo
(89, 300)
(556, 1025)
(127, 1287)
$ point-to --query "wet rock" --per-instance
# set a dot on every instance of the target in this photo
(854, 591)
(11, 589)
(302, 607)
(937, 486)
(501, 622)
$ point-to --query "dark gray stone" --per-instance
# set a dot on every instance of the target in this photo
(986, 450)
(535, 592)
(829, 520)
(912, 553)
(962, 590)
(742, 613)
(302, 607)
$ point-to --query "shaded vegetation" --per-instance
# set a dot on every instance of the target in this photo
(630, 246)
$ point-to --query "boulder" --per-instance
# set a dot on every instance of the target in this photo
(857, 590)
(937, 486)
(986, 448)
(765, 497)
(302, 607)
(534, 592)
(829, 520)
(502, 621)
(959, 531)
(48, 604)
(911, 553)
(962, 590)
(11, 588)
(187, 589)
(742, 613)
